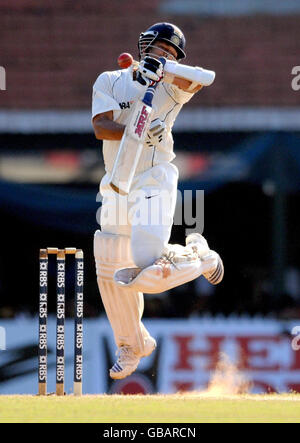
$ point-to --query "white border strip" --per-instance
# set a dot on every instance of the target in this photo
(238, 119)
(189, 120)
(229, 7)
(44, 121)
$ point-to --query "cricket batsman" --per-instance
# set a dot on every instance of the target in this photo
(132, 253)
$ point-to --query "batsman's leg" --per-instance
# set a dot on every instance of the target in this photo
(124, 307)
(161, 266)
(151, 234)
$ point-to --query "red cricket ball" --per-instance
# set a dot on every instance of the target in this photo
(125, 60)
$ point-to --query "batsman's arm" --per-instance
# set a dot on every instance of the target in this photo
(107, 129)
(186, 85)
(188, 78)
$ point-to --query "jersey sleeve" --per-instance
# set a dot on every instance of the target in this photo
(103, 99)
(179, 95)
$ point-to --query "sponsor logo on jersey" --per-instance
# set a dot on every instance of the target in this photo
(125, 105)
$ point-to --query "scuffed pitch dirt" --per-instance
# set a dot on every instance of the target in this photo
(227, 380)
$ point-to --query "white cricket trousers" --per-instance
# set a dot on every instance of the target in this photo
(145, 215)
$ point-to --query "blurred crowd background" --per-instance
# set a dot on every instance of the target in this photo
(238, 140)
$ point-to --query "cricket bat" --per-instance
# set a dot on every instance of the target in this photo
(131, 144)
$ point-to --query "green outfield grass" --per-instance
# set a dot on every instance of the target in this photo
(151, 409)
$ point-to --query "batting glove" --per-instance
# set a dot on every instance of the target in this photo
(151, 70)
(155, 133)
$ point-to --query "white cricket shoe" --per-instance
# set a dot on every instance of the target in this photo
(213, 268)
(126, 364)
(128, 361)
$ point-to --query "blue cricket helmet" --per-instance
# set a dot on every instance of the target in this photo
(166, 32)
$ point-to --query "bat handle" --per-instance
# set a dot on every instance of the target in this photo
(148, 97)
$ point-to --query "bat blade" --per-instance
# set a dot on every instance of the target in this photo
(130, 149)
(131, 145)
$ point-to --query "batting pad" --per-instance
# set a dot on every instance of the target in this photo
(124, 306)
(177, 266)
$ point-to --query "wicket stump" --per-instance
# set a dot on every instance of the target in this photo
(60, 320)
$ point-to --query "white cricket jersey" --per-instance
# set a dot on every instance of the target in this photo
(117, 91)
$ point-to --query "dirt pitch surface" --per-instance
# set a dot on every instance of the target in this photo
(177, 408)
